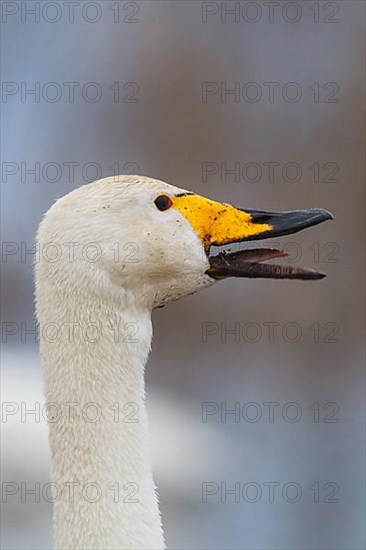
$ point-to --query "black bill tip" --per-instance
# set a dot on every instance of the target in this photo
(287, 223)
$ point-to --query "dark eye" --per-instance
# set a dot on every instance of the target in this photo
(163, 202)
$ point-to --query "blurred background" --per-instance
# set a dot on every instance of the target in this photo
(255, 103)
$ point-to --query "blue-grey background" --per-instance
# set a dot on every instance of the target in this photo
(161, 54)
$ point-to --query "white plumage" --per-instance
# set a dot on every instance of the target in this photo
(110, 252)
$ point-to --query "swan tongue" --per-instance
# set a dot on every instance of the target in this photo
(246, 263)
(254, 255)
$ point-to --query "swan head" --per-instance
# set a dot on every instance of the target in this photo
(149, 240)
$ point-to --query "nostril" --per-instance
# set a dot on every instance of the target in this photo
(261, 218)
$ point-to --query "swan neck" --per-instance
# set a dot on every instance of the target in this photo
(94, 374)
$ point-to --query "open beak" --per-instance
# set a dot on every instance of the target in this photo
(219, 224)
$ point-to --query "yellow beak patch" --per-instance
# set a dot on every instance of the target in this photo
(217, 223)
